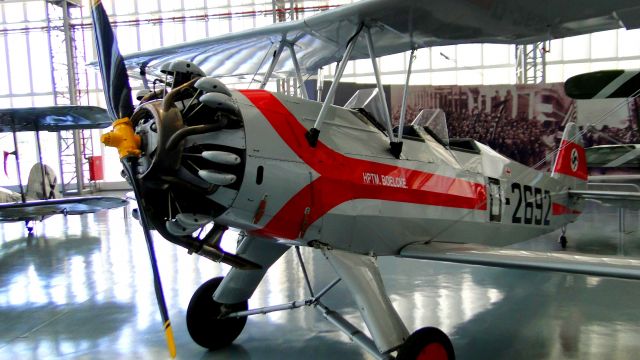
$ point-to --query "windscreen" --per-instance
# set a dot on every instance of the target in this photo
(434, 121)
(368, 100)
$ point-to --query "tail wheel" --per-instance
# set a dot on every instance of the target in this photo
(563, 241)
(428, 343)
(203, 322)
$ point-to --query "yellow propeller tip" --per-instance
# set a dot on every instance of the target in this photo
(171, 344)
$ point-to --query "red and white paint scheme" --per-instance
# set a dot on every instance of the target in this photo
(290, 172)
(347, 196)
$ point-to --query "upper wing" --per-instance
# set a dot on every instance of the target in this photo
(72, 206)
(608, 266)
(53, 118)
(396, 26)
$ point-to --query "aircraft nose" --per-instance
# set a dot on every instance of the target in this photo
(193, 154)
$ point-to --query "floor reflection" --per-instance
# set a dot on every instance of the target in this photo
(81, 288)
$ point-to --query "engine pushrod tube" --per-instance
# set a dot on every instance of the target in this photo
(183, 133)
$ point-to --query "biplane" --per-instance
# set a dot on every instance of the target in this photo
(291, 172)
(41, 198)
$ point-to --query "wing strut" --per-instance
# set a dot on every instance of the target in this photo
(313, 133)
(274, 62)
(296, 66)
(15, 146)
(381, 96)
(42, 169)
(403, 108)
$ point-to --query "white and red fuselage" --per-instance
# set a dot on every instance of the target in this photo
(350, 193)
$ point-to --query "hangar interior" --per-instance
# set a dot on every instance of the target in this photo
(81, 287)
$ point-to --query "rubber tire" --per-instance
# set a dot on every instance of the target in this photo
(203, 324)
(563, 241)
(422, 338)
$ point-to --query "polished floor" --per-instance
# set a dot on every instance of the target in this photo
(81, 289)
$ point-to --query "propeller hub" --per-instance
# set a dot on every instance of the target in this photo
(123, 138)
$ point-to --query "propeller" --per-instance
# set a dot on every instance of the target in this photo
(118, 95)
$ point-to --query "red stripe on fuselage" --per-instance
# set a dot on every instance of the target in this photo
(559, 209)
(343, 178)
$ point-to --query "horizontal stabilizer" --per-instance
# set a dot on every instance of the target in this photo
(606, 266)
(626, 199)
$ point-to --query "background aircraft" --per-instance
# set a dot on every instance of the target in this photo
(291, 172)
(41, 198)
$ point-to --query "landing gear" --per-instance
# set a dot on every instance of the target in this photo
(29, 225)
(205, 326)
(563, 239)
(214, 325)
(428, 343)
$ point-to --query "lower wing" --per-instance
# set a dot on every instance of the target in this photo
(71, 206)
(607, 266)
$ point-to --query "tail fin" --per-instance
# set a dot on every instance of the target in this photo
(42, 183)
(571, 160)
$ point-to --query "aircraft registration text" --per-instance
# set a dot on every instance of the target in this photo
(533, 205)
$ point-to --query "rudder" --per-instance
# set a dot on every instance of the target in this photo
(571, 160)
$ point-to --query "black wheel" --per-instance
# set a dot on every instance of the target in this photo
(563, 241)
(428, 343)
(204, 326)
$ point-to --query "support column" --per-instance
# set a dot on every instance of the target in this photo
(531, 63)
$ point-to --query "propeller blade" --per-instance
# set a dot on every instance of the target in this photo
(118, 95)
(114, 74)
(129, 163)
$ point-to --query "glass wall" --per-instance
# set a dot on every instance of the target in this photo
(491, 64)
(26, 66)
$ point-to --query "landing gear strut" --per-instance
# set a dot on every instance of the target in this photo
(29, 225)
(563, 239)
